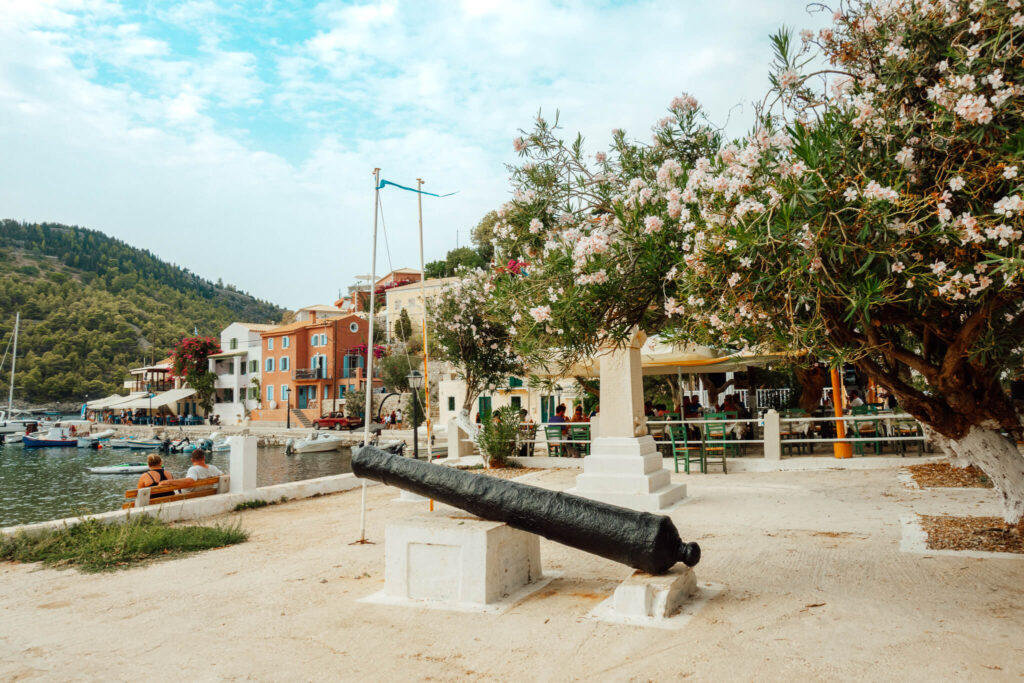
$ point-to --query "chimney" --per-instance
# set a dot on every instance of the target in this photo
(312, 316)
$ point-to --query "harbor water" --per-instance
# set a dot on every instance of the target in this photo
(38, 484)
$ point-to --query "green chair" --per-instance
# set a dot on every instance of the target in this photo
(556, 443)
(717, 441)
(581, 432)
(907, 428)
(862, 428)
(681, 447)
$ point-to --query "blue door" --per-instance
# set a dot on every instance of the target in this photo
(302, 397)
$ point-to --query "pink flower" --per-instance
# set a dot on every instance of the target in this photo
(653, 224)
(541, 313)
(519, 144)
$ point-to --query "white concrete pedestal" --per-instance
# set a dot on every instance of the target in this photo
(628, 471)
(457, 560)
(654, 597)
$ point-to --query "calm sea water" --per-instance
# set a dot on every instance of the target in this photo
(38, 484)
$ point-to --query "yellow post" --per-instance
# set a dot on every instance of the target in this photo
(841, 450)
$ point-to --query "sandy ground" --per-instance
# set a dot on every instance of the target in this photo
(283, 606)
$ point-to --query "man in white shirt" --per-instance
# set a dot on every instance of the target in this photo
(398, 417)
(199, 470)
(855, 400)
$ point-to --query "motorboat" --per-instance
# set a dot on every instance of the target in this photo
(11, 438)
(54, 437)
(121, 468)
(93, 440)
(145, 444)
(316, 442)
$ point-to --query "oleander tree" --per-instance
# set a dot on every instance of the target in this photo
(872, 216)
(189, 361)
(476, 343)
(875, 216)
(583, 248)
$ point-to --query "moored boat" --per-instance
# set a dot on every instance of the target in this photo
(121, 468)
(92, 440)
(315, 443)
(55, 437)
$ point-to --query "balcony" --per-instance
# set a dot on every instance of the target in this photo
(311, 373)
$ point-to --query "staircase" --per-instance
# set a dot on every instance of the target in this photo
(298, 415)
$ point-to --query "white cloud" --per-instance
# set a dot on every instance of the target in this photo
(161, 156)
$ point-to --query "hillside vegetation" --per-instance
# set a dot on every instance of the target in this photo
(92, 307)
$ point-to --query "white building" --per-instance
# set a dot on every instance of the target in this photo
(237, 366)
(409, 298)
(540, 402)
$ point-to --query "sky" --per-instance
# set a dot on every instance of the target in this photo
(238, 139)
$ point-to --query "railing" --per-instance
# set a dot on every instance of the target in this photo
(773, 432)
(311, 373)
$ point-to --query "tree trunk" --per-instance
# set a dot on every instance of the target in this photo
(997, 456)
(812, 381)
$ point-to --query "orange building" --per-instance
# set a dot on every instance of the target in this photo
(309, 366)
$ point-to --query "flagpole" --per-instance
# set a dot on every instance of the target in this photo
(426, 344)
(369, 349)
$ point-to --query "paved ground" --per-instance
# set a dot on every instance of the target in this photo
(283, 606)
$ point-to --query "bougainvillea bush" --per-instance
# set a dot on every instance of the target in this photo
(190, 363)
(872, 216)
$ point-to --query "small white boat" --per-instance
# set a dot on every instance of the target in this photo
(90, 440)
(11, 438)
(122, 468)
(145, 444)
(315, 443)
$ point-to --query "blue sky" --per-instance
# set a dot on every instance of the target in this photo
(237, 138)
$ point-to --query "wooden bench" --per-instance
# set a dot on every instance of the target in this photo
(204, 487)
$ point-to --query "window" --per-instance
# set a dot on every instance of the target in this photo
(270, 365)
(353, 327)
(252, 393)
(323, 340)
(254, 366)
(327, 392)
(270, 392)
(285, 342)
(284, 363)
(284, 393)
(270, 344)
(341, 391)
(241, 366)
(311, 391)
(517, 402)
(451, 403)
(314, 340)
(234, 344)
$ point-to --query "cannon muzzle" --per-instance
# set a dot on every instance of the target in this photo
(638, 539)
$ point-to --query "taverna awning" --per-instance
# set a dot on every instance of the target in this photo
(660, 358)
(110, 401)
(165, 398)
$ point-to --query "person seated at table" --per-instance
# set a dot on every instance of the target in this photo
(154, 476)
(577, 414)
(729, 405)
(648, 409)
(198, 470)
(689, 407)
(855, 400)
(527, 431)
(559, 418)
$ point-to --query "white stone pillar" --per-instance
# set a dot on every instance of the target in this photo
(243, 463)
(459, 444)
(772, 436)
(624, 466)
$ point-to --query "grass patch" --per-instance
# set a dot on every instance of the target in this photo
(95, 547)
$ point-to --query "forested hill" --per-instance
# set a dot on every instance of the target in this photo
(92, 307)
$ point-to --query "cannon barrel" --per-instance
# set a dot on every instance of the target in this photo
(639, 539)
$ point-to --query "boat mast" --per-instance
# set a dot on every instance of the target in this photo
(14, 359)
(369, 347)
(423, 298)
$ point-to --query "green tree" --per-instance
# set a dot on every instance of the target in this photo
(403, 326)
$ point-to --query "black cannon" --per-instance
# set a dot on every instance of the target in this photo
(639, 539)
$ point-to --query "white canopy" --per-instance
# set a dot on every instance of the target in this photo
(110, 401)
(166, 398)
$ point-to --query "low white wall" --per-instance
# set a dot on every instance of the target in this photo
(197, 508)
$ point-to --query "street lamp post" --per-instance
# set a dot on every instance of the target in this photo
(415, 380)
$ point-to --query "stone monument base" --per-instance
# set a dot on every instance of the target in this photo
(457, 558)
(654, 597)
(628, 471)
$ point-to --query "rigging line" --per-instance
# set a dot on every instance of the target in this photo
(387, 248)
(4, 359)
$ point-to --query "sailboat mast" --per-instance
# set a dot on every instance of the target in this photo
(14, 360)
(369, 348)
(423, 302)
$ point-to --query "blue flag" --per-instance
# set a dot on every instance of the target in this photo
(410, 189)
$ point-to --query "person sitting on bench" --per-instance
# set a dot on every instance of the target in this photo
(199, 470)
(154, 476)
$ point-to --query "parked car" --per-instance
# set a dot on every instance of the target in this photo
(337, 421)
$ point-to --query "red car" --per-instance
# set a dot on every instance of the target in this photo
(337, 421)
